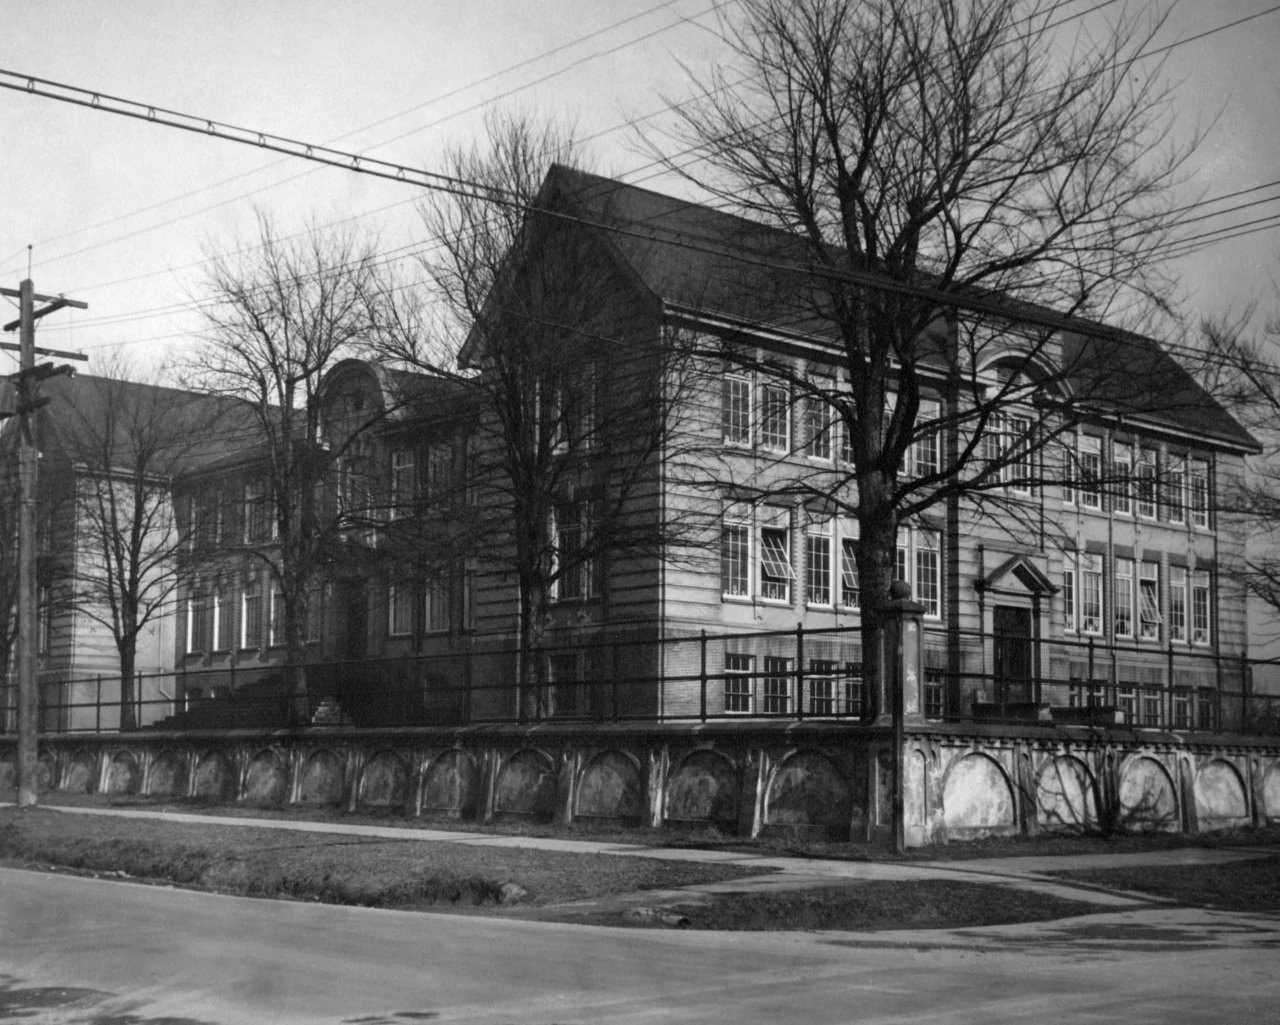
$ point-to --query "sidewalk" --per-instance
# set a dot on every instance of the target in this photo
(776, 872)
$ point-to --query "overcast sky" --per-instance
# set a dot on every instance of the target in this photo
(120, 212)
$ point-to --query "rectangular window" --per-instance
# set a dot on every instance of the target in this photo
(403, 482)
(1121, 472)
(818, 424)
(399, 610)
(1199, 489)
(1200, 616)
(1206, 710)
(255, 516)
(735, 409)
(438, 483)
(735, 550)
(854, 689)
(275, 617)
(1088, 486)
(1127, 703)
(317, 595)
(1069, 468)
(927, 588)
(1151, 706)
(470, 594)
(775, 685)
(1146, 483)
(1091, 594)
(44, 615)
(925, 458)
(435, 606)
(737, 683)
(224, 619)
(1069, 592)
(1182, 709)
(251, 614)
(822, 686)
(1177, 603)
(850, 593)
(775, 417)
(1149, 618)
(1175, 482)
(817, 562)
(775, 554)
(1124, 598)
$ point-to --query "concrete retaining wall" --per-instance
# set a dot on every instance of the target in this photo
(812, 779)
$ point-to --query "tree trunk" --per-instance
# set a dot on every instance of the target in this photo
(128, 695)
(536, 700)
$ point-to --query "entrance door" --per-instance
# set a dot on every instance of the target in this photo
(1012, 662)
(355, 603)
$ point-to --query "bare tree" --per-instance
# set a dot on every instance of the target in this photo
(572, 398)
(284, 312)
(128, 442)
(959, 184)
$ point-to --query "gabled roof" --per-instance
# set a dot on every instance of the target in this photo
(728, 268)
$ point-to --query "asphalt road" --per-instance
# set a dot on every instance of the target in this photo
(104, 952)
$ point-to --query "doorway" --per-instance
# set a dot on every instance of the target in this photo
(1011, 629)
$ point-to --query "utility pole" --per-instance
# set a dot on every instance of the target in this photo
(26, 381)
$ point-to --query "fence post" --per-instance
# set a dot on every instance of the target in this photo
(98, 707)
(702, 671)
(1246, 694)
(799, 674)
(1170, 722)
(613, 676)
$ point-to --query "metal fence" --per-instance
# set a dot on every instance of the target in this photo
(792, 675)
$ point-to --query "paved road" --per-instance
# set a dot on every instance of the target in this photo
(95, 952)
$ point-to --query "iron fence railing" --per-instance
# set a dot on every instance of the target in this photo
(792, 675)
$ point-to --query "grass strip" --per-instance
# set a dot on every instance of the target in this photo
(1250, 885)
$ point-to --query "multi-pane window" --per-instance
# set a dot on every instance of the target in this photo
(1177, 603)
(44, 625)
(1200, 628)
(854, 689)
(735, 409)
(1088, 484)
(775, 554)
(470, 595)
(775, 685)
(399, 610)
(256, 517)
(1146, 483)
(1150, 706)
(224, 619)
(850, 592)
(1149, 618)
(1007, 447)
(1174, 483)
(317, 596)
(1091, 594)
(735, 550)
(576, 568)
(775, 417)
(251, 613)
(402, 482)
(1121, 472)
(817, 562)
(1124, 597)
(819, 427)
(435, 606)
(737, 683)
(919, 563)
(822, 686)
(1199, 492)
(1069, 592)
(275, 617)
(924, 454)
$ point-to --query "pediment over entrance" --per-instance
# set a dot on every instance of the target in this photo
(1017, 575)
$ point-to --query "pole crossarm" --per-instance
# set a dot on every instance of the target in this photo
(57, 353)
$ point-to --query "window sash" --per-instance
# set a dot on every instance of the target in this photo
(1177, 603)
(817, 555)
(1123, 598)
(735, 553)
(775, 418)
(1149, 618)
(736, 409)
(737, 683)
(1200, 608)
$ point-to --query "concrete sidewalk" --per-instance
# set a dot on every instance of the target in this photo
(776, 872)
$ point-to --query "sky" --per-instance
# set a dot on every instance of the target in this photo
(122, 214)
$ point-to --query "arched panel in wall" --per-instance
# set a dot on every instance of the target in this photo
(1148, 800)
(215, 778)
(610, 788)
(168, 774)
(80, 774)
(808, 790)
(703, 788)
(977, 797)
(321, 779)
(47, 773)
(8, 773)
(267, 780)
(451, 785)
(123, 774)
(383, 782)
(1270, 792)
(1065, 795)
(1221, 799)
(526, 786)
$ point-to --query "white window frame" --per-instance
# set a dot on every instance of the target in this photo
(774, 571)
(1175, 488)
(1147, 479)
(736, 551)
(399, 610)
(739, 694)
(1089, 461)
(402, 482)
(1070, 612)
(1150, 618)
(919, 564)
(251, 612)
(435, 606)
(1201, 608)
(736, 409)
(1122, 473)
(925, 453)
(1178, 618)
(777, 679)
(1122, 600)
(847, 566)
(818, 561)
(775, 410)
(1198, 492)
(275, 616)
